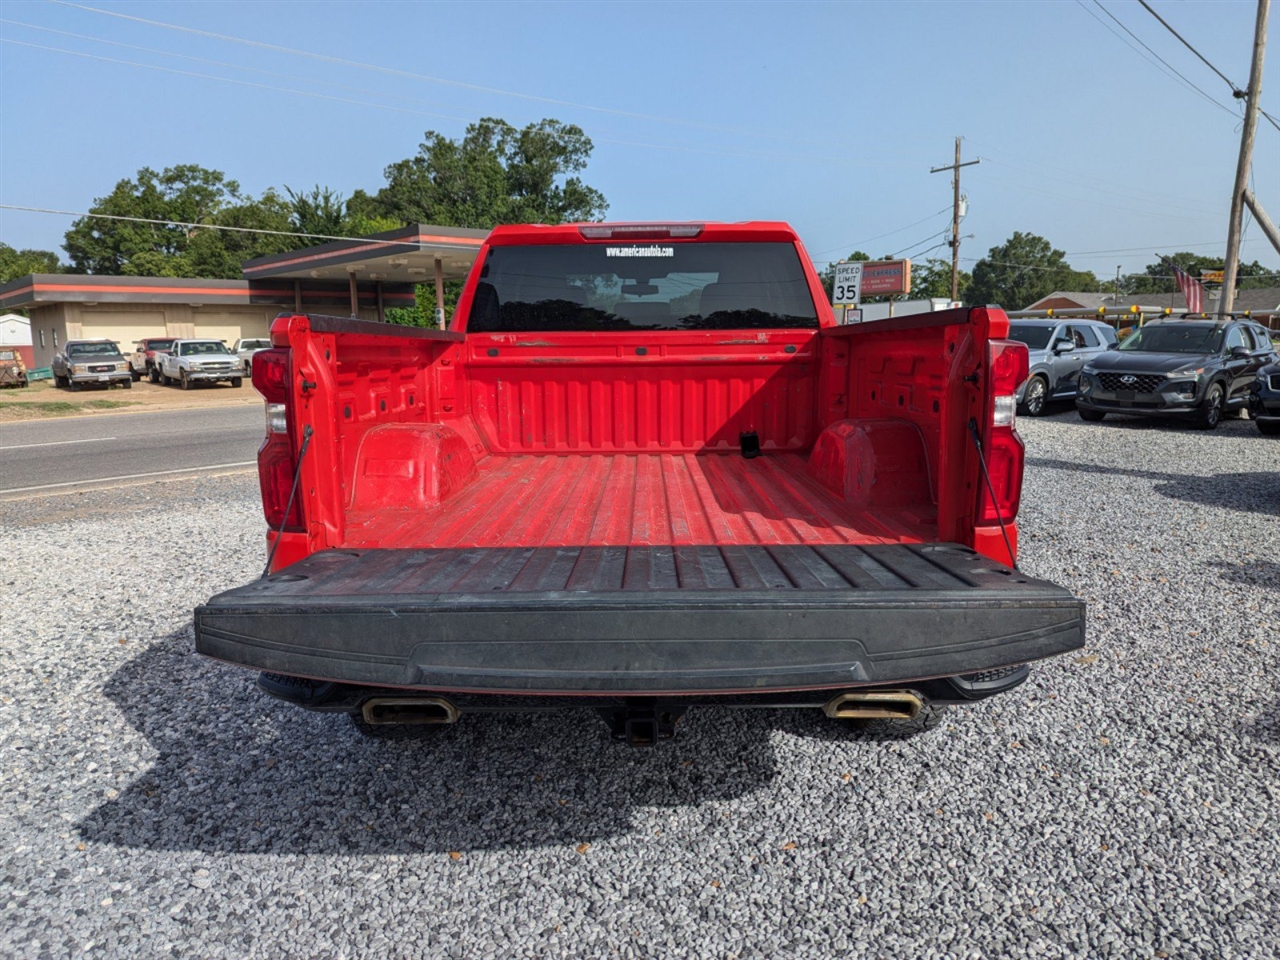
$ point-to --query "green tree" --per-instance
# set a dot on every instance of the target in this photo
(494, 174)
(1023, 269)
(365, 215)
(320, 211)
(184, 195)
(220, 253)
(1157, 277)
(932, 278)
(19, 263)
(423, 313)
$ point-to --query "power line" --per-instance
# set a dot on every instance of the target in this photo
(403, 243)
(855, 246)
(1004, 181)
(921, 253)
(204, 226)
(407, 74)
(394, 71)
(238, 82)
(1163, 200)
(1235, 91)
(740, 155)
(922, 243)
(214, 63)
(1178, 75)
(1032, 266)
(1150, 198)
(1180, 246)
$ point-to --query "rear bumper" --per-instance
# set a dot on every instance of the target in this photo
(695, 621)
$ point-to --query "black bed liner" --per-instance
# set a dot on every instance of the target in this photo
(641, 620)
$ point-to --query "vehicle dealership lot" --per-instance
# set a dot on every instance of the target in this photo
(1124, 803)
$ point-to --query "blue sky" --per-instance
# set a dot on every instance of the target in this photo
(827, 115)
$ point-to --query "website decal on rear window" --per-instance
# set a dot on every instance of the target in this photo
(640, 251)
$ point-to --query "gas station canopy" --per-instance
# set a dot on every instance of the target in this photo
(408, 255)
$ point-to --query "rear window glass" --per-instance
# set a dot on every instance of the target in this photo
(646, 286)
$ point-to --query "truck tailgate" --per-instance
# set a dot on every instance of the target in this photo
(640, 620)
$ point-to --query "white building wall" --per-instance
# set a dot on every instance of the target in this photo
(15, 331)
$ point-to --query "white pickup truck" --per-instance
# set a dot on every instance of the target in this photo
(189, 362)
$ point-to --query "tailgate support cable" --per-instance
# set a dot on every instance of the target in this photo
(293, 492)
(991, 489)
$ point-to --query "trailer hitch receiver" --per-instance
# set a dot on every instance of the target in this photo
(642, 724)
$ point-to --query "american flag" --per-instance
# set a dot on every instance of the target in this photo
(1190, 288)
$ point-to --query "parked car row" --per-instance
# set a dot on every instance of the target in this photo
(184, 361)
(1198, 370)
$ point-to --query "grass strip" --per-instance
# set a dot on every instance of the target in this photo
(62, 408)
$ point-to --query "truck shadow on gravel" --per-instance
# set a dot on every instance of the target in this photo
(1266, 727)
(1251, 573)
(232, 770)
(1243, 492)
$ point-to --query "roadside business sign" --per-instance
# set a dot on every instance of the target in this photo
(1212, 276)
(847, 288)
(886, 278)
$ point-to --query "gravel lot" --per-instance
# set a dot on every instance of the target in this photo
(1124, 803)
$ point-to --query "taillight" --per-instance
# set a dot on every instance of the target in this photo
(276, 462)
(271, 374)
(1007, 365)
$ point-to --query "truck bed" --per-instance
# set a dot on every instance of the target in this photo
(642, 500)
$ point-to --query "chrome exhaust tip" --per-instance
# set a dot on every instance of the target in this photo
(409, 710)
(874, 705)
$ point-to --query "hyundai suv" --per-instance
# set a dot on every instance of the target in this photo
(1195, 370)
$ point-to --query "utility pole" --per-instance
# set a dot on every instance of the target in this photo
(1232, 265)
(955, 218)
(1116, 301)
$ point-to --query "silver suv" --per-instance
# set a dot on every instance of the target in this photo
(1058, 349)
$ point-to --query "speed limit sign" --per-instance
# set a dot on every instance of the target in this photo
(847, 289)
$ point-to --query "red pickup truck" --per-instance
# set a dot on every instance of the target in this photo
(644, 470)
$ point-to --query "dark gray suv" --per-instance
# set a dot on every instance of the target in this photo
(1189, 369)
(1058, 349)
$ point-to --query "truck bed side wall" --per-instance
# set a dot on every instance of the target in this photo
(348, 378)
(928, 369)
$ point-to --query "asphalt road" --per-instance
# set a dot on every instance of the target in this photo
(38, 456)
